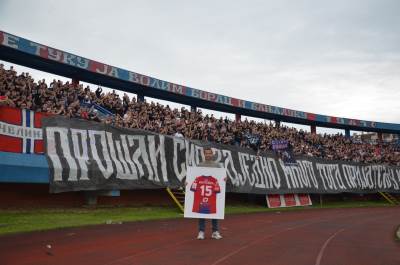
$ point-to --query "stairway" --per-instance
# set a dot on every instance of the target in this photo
(178, 196)
(390, 198)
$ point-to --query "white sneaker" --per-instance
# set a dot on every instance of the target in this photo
(216, 235)
(200, 236)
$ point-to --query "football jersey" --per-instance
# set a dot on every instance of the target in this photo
(205, 190)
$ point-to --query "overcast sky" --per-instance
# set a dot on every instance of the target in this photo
(339, 58)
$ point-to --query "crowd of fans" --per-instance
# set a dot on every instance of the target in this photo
(75, 101)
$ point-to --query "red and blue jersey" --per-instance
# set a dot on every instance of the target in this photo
(205, 190)
(21, 131)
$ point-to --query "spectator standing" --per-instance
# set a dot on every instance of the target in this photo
(209, 162)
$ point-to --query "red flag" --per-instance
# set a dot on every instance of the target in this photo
(21, 130)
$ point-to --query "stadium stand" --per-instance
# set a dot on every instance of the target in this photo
(76, 101)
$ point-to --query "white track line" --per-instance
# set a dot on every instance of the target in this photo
(227, 256)
(321, 252)
(230, 254)
(248, 245)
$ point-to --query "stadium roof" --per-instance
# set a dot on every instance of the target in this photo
(24, 52)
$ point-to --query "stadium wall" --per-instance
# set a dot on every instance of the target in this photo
(27, 195)
(24, 182)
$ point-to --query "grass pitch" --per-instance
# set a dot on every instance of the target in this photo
(26, 220)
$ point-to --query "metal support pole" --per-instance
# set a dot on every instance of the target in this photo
(347, 133)
(238, 117)
(75, 82)
(140, 97)
(313, 129)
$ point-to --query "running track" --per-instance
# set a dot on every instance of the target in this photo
(361, 236)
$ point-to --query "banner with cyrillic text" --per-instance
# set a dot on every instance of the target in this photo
(85, 155)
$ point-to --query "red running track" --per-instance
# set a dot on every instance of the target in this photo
(361, 236)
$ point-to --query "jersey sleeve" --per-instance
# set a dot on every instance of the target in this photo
(217, 189)
(193, 187)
